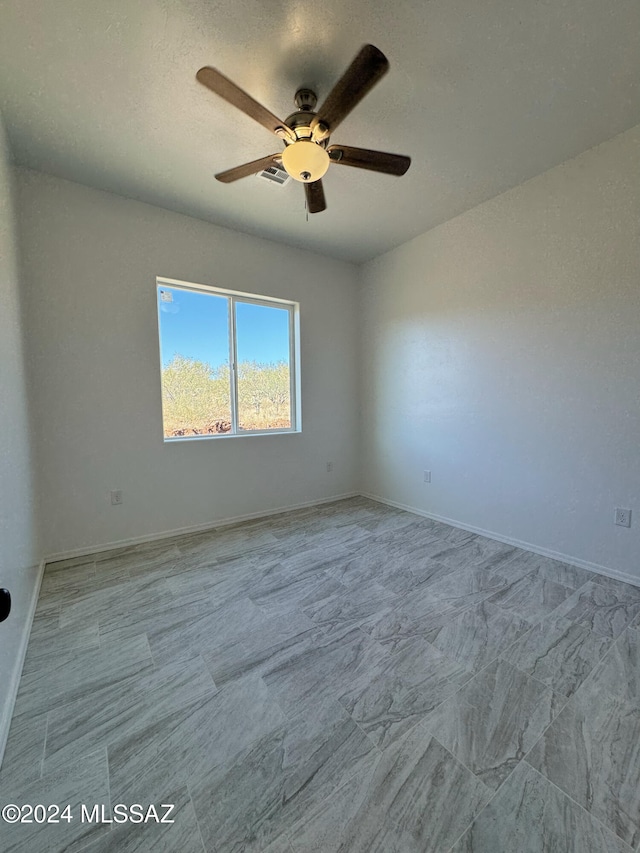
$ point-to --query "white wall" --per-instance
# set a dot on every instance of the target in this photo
(18, 545)
(502, 352)
(90, 262)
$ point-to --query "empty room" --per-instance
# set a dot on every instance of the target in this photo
(320, 402)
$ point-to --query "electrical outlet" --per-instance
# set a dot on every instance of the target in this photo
(329, 467)
(623, 517)
(116, 497)
(427, 476)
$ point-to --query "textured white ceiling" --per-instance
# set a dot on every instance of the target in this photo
(482, 96)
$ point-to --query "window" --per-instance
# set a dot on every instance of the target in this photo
(229, 362)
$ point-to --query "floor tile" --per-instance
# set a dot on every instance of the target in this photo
(116, 711)
(224, 542)
(324, 671)
(604, 610)
(347, 821)
(533, 596)
(259, 795)
(337, 607)
(147, 605)
(467, 587)
(558, 652)
(618, 675)
(426, 609)
(265, 649)
(529, 815)
(84, 781)
(385, 522)
(452, 535)
(404, 687)
(592, 750)
(478, 553)
(45, 647)
(361, 567)
(68, 581)
(70, 562)
(78, 673)
(137, 559)
(564, 573)
(592, 753)
(304, 561)
(197, 629)
(299, 571)
(219, 582)
(284, 592)
(280, 845)
(47, 614)
(182, 835)
(112, 605)
(404, 575)
(525, 562)
(24, 751)
(416, 536)
(347, 537)
(418, 798)
(477, 636)
(179, 749)
(494, 720)
(309, 521)
(417, 614)
(392, 566)
(175, 566)
(618, 587)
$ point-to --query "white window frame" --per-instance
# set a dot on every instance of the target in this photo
(233, 297)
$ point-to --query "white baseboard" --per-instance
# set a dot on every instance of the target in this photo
(14, 680)
(596, 568)
(195, 528)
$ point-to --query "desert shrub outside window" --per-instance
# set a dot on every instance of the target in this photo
(229, 362)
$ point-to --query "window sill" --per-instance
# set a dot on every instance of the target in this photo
(215, 436)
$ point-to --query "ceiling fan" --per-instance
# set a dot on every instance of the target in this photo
(305, 133)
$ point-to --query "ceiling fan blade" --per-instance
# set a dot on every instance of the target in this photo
(237, 97)
(247, 169)
(360, 77)
(376, 161)
(315, 197)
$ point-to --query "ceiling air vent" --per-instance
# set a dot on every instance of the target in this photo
(274, 174)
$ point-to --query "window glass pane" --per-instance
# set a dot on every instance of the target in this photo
(194, 343)
(264, 379)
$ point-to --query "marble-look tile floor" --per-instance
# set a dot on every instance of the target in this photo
(348, 677)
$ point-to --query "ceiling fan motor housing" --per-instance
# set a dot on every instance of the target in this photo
(305, 99)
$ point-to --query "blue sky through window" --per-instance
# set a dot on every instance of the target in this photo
(195, 325)
(262, 333)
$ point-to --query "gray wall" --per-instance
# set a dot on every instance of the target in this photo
(90, 263)
(18, 546)
(501, 351)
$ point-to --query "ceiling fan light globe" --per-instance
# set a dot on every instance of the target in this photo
(305, 161)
